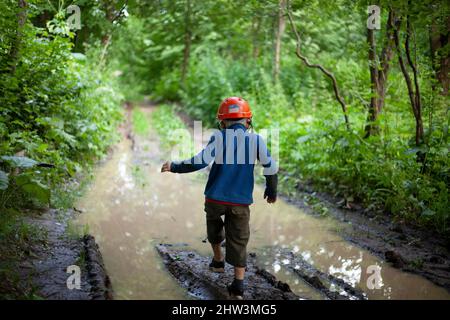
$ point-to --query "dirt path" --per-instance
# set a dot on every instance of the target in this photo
(47, 264)
(191, 271)
(131, 207)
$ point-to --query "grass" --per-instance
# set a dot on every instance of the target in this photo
(16, 238)
(75, 230)
(172, 131)
(139, 176)
(65, 195)
(81, 260)
(140, 121)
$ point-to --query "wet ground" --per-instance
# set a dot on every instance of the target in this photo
(49, 264)
(131, 207)
(192, 272)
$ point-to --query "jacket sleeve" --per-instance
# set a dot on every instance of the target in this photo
(271, 186)
(197, 162)
(270, 168)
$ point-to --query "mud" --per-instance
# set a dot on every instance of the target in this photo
(405, 246)
(330, 286)
(192, 272)
(47, 263)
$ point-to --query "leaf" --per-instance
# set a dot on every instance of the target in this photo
(19, 162)
(42, 147)
(3, 180)
(303, 138)
(78, 56)
(67, 138)
(428, 212)
(422, 148)
(33, 188)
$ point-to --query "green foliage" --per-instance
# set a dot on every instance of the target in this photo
(18, 162)
(57, 107)
(20, 181)
(140, 122)
(61, 107)
(33, 188)
(172, 130)
(381, 174)
(3, 180)
(206, 85)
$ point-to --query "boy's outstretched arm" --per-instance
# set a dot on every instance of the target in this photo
(195, 163)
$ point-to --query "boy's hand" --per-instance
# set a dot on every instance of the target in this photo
(269, 199)
(166, 166)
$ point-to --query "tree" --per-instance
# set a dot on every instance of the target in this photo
(15, 47)
(278, 37)
(325, 71)
(187, 40)
(440, 51)
(379, 70)
(413, 90)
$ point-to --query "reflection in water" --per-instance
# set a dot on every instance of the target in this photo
(129, 218)
(349, 271)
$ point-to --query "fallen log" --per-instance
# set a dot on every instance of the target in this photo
(191, 270)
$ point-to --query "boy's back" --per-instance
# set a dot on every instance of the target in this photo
(233, 152)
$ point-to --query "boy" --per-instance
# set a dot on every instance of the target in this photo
(233, 151)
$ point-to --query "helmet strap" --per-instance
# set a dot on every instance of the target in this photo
(221, 124)
(250, 124)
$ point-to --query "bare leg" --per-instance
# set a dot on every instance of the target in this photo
(217, 252)
(239, 273)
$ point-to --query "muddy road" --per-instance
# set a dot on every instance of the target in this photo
(131, 208)
(47, 264)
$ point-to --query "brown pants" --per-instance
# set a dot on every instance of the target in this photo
(236, 233)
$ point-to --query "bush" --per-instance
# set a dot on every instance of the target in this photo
(57, 108)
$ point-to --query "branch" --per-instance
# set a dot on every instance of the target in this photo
(387, 52)
(318, 66)
(414, 97)
(412, 64)
(119, 14)
(403, 68)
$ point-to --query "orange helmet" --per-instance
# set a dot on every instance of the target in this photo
(234, 108)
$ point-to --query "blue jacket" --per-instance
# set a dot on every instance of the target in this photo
(233, 152)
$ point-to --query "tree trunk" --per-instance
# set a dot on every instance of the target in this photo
(109, 11)
(371, 127)
(187, 41)
(378, 74)
(413, 91)
(256, 29)
(440, 58)
(15, 47)
(111, 15)
(386, 56)
(278, 35)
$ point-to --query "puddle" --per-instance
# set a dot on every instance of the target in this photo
(131, 206)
